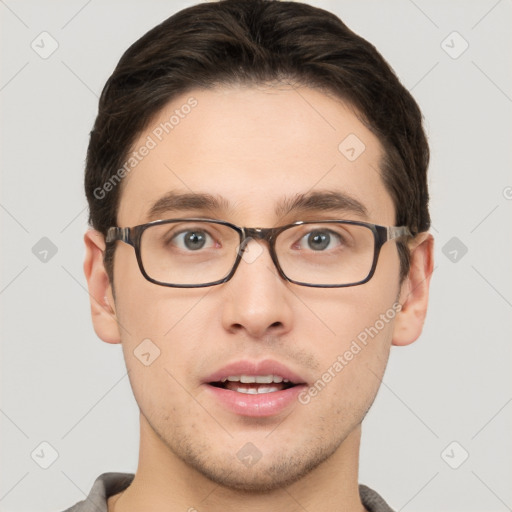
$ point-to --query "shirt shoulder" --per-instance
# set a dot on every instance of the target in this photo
(372, 501)
(106, 485)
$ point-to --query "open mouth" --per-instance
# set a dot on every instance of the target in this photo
(255, 388)
(254, 384)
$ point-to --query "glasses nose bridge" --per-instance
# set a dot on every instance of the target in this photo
(266, 234)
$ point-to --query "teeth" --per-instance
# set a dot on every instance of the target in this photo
(256, 391)
(267, 389)
(258, 379)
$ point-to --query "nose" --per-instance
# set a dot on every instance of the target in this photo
(257, 298)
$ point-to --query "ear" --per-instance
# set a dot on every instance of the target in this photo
(100, 290)
(414, 291)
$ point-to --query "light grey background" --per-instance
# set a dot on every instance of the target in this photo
(63, 386)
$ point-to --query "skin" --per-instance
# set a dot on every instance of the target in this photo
(253, 146)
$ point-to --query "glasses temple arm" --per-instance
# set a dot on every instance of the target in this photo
(398, 231)
(116, 233)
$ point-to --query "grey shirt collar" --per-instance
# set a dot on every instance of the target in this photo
(108, 484)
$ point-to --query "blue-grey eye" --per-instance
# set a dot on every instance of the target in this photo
(192, 240)
(319, 240)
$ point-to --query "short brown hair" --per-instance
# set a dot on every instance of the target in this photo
(258, 42)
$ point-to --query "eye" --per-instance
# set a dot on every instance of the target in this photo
(192, 239)
(320, 239)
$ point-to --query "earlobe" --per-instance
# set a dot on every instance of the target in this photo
(415, 291)
(100, 290)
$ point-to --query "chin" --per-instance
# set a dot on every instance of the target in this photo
(273, 471)
(251, 480)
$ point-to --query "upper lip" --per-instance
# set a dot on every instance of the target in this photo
(246, 367)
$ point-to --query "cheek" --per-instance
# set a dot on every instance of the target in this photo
(351, 367)
(160, 332)
(147, 310)
(162, 326)
(358, 334)
(357, 327)
(161, 346)
(334, 317)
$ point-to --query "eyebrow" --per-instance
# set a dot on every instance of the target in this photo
(312, 202)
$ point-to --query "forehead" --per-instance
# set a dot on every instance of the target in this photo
(255, 149)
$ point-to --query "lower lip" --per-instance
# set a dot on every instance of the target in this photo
(259, 405)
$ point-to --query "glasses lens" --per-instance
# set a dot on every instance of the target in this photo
(326, 253)
(188, 253)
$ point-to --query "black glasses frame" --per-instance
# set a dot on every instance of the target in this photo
(132, 236)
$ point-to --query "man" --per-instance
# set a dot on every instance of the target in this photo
(256, 178)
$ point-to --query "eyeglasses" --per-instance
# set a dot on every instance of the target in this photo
(196, 252)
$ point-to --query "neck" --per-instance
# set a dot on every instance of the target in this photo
(164, 482)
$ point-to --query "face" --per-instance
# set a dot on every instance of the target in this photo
(256, 148)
